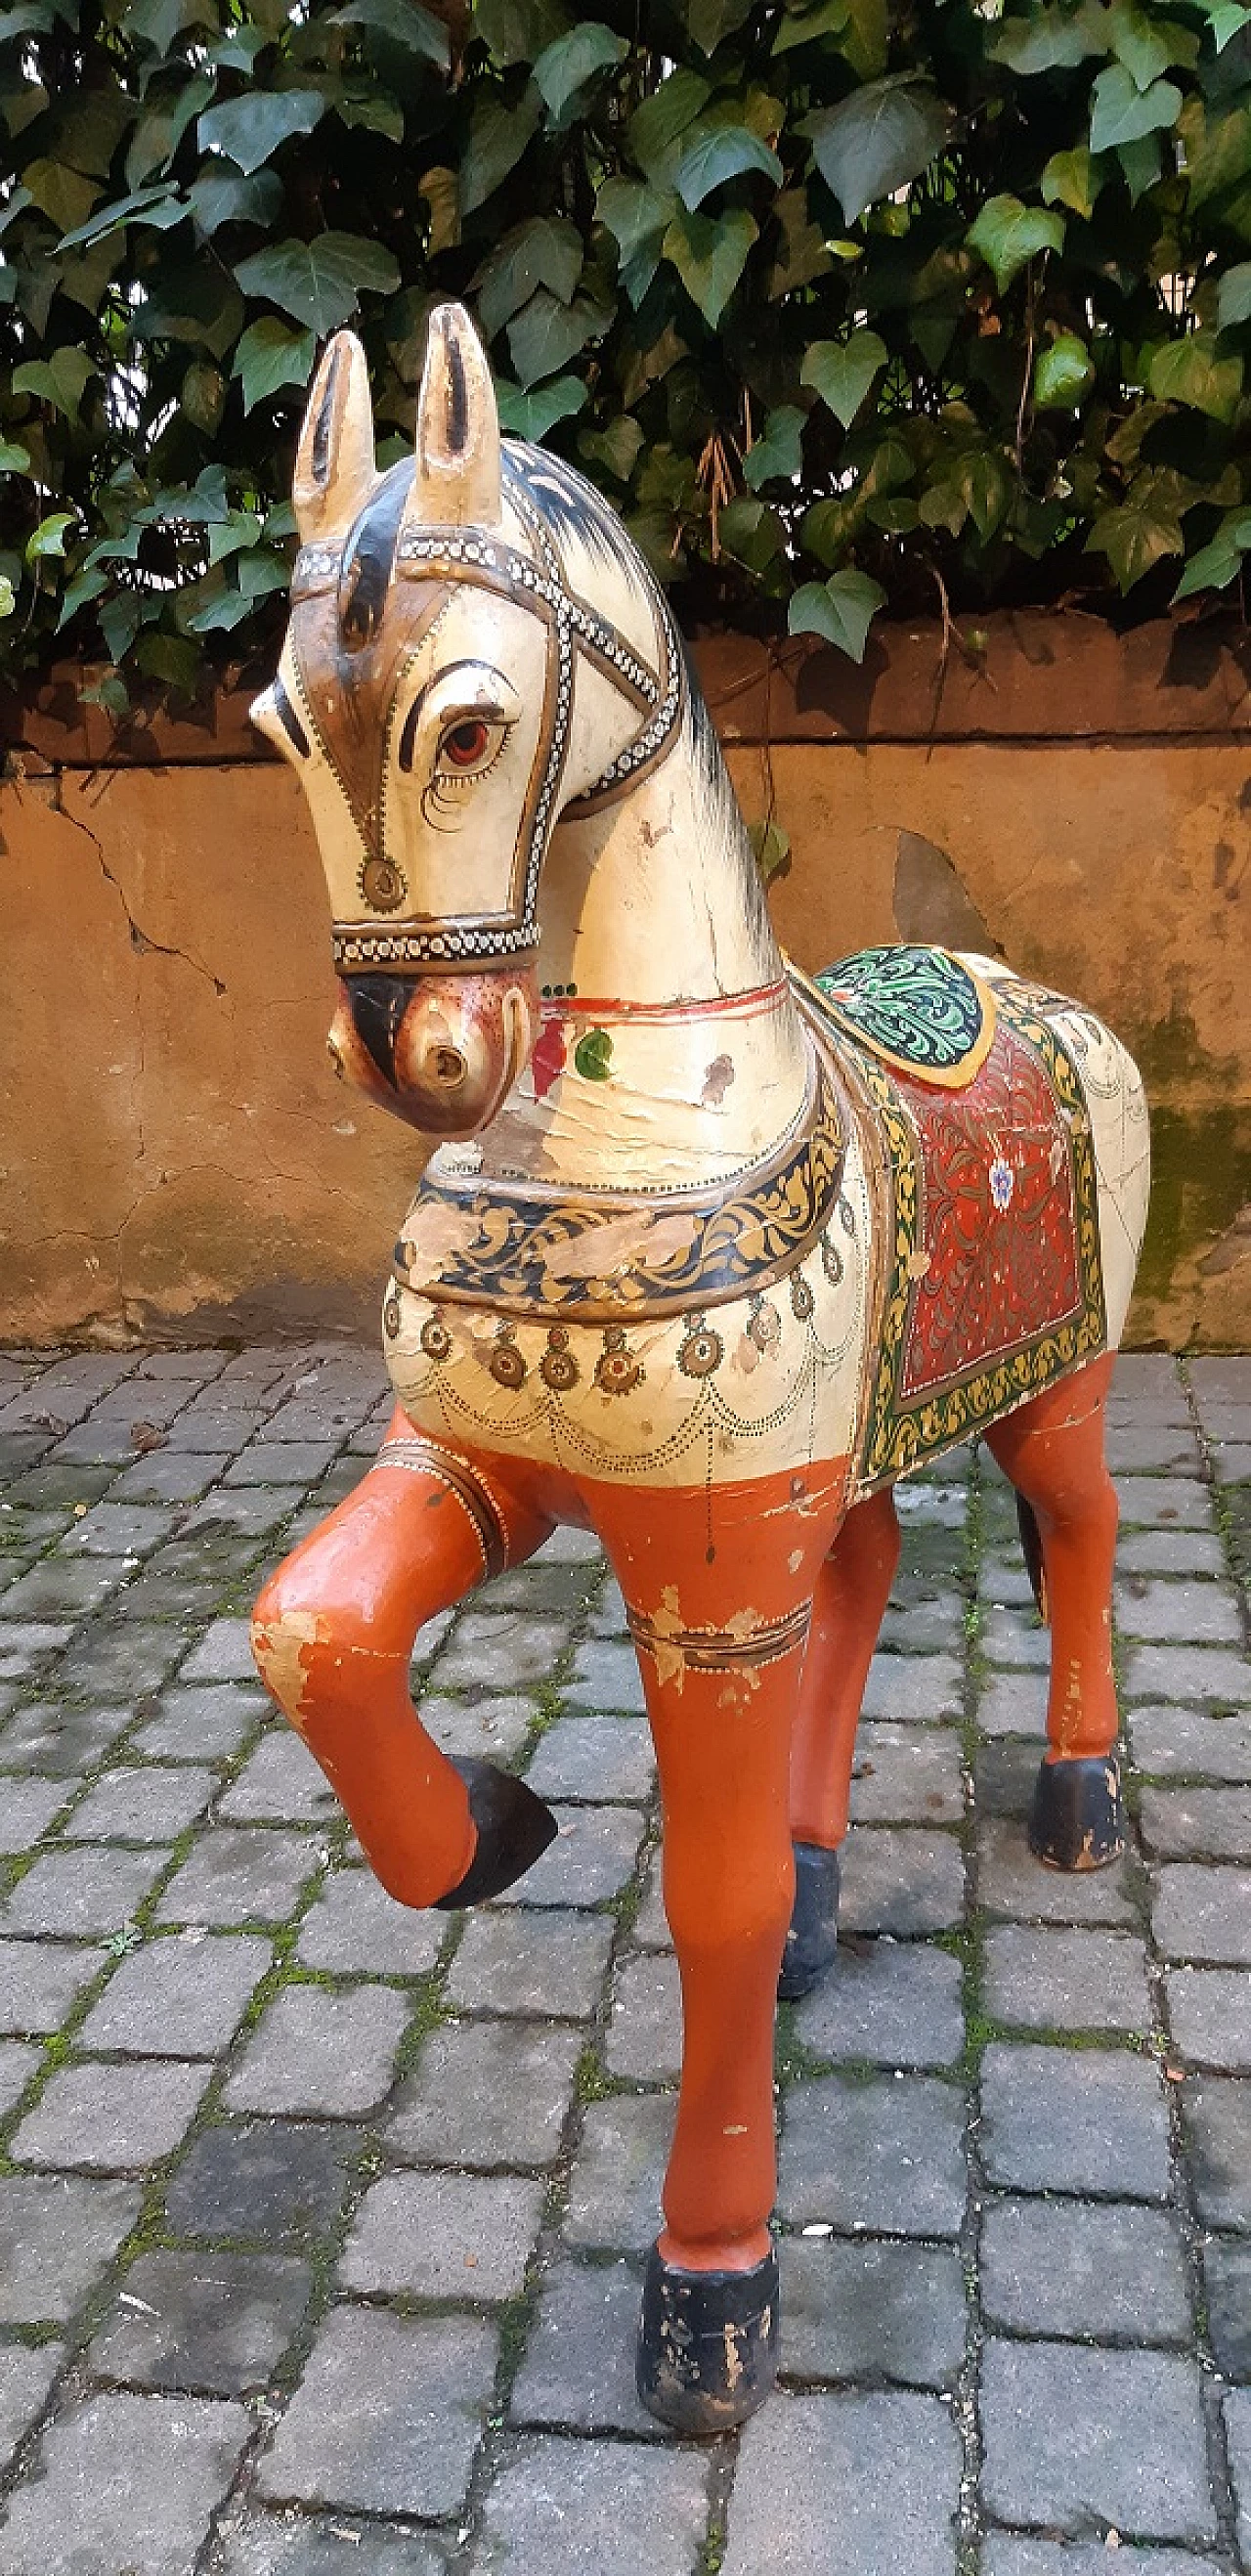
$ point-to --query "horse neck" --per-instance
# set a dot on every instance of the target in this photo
(672, 1053)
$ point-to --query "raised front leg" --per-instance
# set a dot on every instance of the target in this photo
(333, 1635)
(853, 1589)
(1053, 1452)
(720, 1631)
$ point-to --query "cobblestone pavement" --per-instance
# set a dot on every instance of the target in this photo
(321, 2222)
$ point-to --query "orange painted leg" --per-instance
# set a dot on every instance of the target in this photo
(720, 1628)
(1053, 1452)
(333, 1634)
(853, 1589)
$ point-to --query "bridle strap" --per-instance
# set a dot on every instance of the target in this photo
(489, 563)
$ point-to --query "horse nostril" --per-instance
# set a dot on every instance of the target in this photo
(448, 1067)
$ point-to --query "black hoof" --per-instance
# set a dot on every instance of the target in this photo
(708, 2344)
(1078, 1818)
(813, 1937)
(514, 1827)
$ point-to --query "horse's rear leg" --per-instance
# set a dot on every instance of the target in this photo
(333, 1635)
(1052, 1450)
(853, 1589)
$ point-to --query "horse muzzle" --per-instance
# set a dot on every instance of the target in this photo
(440, 1051)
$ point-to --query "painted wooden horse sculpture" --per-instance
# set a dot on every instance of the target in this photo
(704, 1255)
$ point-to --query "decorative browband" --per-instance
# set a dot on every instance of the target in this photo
(532, 1253)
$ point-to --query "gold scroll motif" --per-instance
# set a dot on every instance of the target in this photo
(523, 1253)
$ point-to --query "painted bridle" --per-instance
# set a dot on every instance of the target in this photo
(485, 559)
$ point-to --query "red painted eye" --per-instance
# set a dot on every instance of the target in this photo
(466, 744)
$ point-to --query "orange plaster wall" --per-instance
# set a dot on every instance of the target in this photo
(178, 1158)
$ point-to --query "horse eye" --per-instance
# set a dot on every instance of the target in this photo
(466, 743)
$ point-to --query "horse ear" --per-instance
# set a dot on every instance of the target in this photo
(456, 481)
(335, 466)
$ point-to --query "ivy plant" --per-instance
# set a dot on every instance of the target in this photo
(850, 306)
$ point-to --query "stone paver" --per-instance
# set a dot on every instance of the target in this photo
(320, 2052)
(279, 2181)
(124, 2482)
(871, 2311)
(1108, 2270)
(559, 2508)
(387, 2415)
(578, 2370)
(212, 2324)
(178, 1997)
(1094, 2122)
(405, 2166)
(885, 2156)
(1075, 2437)
(111, 2118)
(880, 2472)
(487, 2093)
(56, 2237)
(444, 2236)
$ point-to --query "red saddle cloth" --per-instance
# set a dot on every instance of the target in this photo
(993, 1285)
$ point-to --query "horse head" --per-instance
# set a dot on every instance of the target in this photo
(445, 695)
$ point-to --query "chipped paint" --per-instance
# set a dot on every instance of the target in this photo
(283, 1651)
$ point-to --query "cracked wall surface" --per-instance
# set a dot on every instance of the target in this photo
(179, 1159)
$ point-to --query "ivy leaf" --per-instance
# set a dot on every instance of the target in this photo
(1216, 564)
(438, 187)
(1218, 156)
(772, 847)
(1072, 179)
(531, 415)
(828, 18)
(320, 282)
(203, 396)
(516, 31)
(839, 610)
(1007, 235)
(14, 458)
(615, 448)
(801, 255)
(497, 138)
(752, 533)
(709, 22)
(157, 207)
(1189, 371)
(61, 380)
(402, 22)
(271, 355)
(168, 111)
(223, 196)
(983, 481)
(546, 333)
(878, 140)
(1233, 303)
(1137, 534)
(79, 593)
(547, 251)
(252, 129)
(564, 68)
(657, 124)
(49, 537)
(843, 370)
(710, 256)
(777, 454)
(1063, 373)
(723, 154)
(1122, 113)
(636, 216)
(62, 194)
(1147, 47)
(1047, 41)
